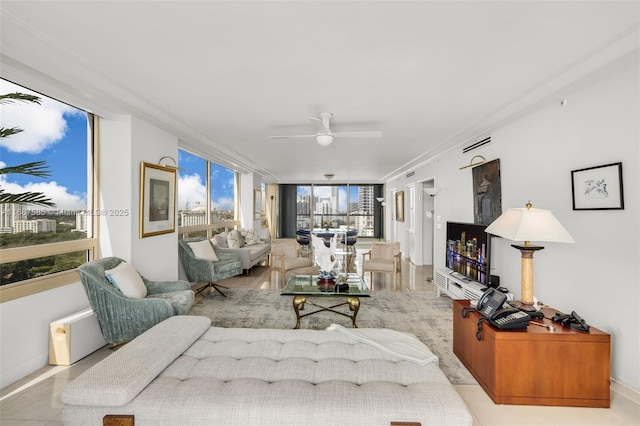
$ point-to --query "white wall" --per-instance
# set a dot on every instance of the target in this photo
(598, 276)
(24, 327)
(24, 322)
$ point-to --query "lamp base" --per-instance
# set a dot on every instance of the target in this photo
(522, 306)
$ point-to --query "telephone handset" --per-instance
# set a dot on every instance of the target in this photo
(491, 307)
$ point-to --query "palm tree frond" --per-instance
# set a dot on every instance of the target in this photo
(18, 97)
(37, 168)
(5, 133)
(37, 198)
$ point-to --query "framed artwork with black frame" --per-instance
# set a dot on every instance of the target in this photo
(157, 199)
(598, 188)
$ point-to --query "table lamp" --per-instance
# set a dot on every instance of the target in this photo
(528, 224)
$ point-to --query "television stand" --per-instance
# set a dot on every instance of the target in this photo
(456, 285)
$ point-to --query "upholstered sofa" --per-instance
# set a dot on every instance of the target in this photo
(185, 372)
(250, 254)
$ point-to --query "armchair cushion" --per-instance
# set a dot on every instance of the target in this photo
(125, 278)
(296, 262)
(203, 250)
(220, 240)
(181, 301)
(380, 265)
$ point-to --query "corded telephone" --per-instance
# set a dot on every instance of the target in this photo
(491, 307)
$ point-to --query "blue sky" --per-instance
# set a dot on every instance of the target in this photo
(53, 132)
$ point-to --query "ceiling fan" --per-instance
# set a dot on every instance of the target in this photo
(325, 136)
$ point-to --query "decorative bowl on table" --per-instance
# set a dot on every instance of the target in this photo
(326, 281)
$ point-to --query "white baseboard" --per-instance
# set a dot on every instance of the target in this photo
(625, 390)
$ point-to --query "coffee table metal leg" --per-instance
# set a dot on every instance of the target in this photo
(298, 304)
(354, 306)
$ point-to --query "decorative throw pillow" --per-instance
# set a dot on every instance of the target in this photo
(250, 237)
(220, 240)
(203, 250)
(127, 280)
(112, 282)
(234, 239)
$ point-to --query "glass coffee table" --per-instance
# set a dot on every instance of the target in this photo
(302, 287)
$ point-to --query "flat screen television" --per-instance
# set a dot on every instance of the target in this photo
(468, 251)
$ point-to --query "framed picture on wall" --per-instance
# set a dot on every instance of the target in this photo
(157, 199)
(487, 192)
(400, 206)
(598, 188)
(257, 204)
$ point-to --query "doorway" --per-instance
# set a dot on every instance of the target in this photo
(428, 222)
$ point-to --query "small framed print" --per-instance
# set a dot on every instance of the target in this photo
(258, 210)
(400, 206)
(598, 188)
(157, 199)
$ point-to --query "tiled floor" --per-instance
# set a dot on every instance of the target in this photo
(35, 400)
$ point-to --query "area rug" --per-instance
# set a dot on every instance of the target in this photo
(421, 313)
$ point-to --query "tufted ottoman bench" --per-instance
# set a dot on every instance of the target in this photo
(184, 372)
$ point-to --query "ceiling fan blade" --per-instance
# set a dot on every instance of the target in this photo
(293, 136)
(371, 134)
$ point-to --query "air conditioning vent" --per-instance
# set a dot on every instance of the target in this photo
(476, 145)
(411, 174)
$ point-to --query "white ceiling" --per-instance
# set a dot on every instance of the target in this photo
(225, 76)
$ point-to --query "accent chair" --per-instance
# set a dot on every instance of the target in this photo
(125, 303)
(285, 257)
(384, 257)
(200, 269)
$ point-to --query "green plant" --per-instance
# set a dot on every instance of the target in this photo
(36, 168)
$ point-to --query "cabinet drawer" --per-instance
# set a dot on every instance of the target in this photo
(456, 290)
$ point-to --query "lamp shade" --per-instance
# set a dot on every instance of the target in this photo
(529, 224)
(324, 139)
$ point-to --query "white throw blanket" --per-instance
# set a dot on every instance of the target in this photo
(403, 345)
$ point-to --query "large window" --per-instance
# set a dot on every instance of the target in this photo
(206, 196)
(338, 206)
(46, 207)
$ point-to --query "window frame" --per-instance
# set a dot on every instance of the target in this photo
(37, 285)
(213, 228)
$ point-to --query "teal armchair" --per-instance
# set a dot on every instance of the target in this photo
(199, 270)
(121, 318)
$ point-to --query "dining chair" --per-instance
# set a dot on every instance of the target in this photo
(303, 236)
(326, 236)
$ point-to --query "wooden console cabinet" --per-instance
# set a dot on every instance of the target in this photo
(536, 366)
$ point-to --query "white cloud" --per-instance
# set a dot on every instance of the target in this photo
(222, 204)
(43, 125)
(58, 194)
(191, 190)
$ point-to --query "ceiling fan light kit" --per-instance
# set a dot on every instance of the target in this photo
(325, 136)
(324, 139)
